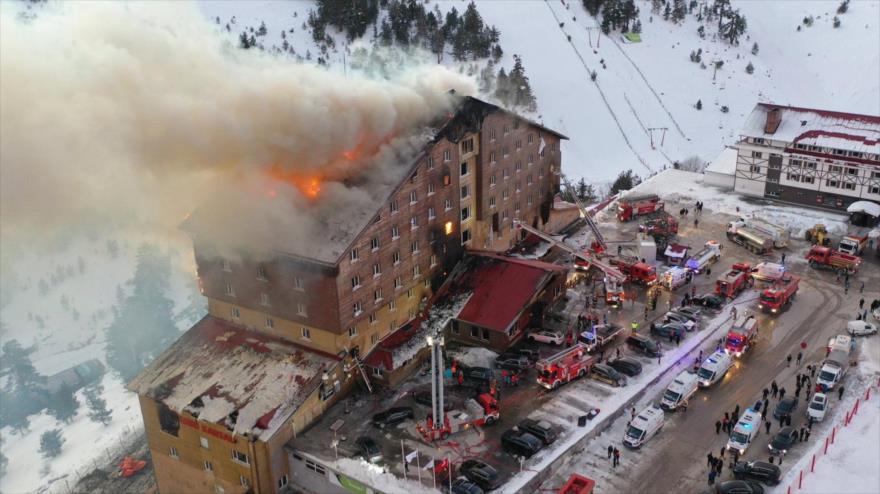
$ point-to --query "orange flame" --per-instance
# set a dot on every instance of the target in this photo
(310, 186)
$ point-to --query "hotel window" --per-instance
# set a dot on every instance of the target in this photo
(298, 283)
(301, 309)
(227, 266)
(465, 213)
(467, 146)
(475, 333)
(491, 134)
(240, 457)
(430, 188)
(270, 323)
(261, 273)
(518, 144)
(427, 283)
(413, 223)
(377, 295)
(174, 453)
(447, 204)
(492, 180)
(229, 290)
(835, 169)
(398, 283)
(849, 186)
(395, 232)
(541, 172)
(504, 151)
(413, 197)
(757, 154)
(464, 169)
(377, 372)
(518, 166)
(852, 171)
(492, 202)
(411, 312)
(505, 194)
(372, 318)
(306, 333)
(506, 129)
(416, 270)
(352, 332)
(209, 467)
(243, 481)
(377, 269)
(430, 162)
(465, 235)
(433, 260)
(374, 243)
(355, 282)
(447, 155)
(831, 183)
(529, 179)
(283, 480)
(518, 185)
(758, 140)
(808, 180)
(264, 299)
(516, 207)
(236, 313)
(531, 138)
(432, 213)
(465, 192)
(374, 338)
(357, 309)
(354, 255)
(392, 305)
(874, 189)
(414, 247)
(446, 180)
(395, 258)
(531, 159)
(755, 169)
(810, 165)
(529, 200)
(505, 174)
(393, 207)
(492, 159)
(409, 293)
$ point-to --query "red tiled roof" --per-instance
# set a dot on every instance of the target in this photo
(502, 287)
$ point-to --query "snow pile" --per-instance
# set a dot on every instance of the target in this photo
(474, 356)
(376, 477)
(438, 318)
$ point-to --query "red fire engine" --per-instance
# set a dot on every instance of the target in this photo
(665, 225)
(776, 298)
(734, 280)
(565, 366)
(635, 270)
(826, 257)
(482, 411)
(631, 206)
(741, 336)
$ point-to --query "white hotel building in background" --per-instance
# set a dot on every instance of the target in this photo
(813, 157)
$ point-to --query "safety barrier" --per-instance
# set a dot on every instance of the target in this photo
(829, 439)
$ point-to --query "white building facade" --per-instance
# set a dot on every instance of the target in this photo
(812, 157)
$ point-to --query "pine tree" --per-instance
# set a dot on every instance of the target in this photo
(98, 411)
(502, 87)
(750, 69)
(262, 31)
(50, 443)
(519, 84)
(637, 27)
(243, 41)
(844, 6)
(679, 10)
(666, 12)
(626, 180)
(63, 404)
(16, 361)
(593, 6)
(733, 28)
(699, 104)
(755, 49)
(836, 23)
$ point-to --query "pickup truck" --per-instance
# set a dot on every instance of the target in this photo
(604, 334)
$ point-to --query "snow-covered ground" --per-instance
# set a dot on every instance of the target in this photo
(66, 339)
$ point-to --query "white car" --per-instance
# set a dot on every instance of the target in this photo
(860, 328)
(546, 336)
(818, 406)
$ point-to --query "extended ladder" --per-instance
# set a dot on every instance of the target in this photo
(600, 240)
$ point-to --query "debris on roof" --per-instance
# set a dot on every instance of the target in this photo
(225, 374)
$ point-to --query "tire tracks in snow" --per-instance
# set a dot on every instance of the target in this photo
(601, 93)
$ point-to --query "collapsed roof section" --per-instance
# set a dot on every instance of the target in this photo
(222, 373)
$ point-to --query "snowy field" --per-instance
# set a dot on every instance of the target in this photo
(73, 333)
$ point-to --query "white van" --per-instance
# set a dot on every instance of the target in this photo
(647, 423)
(679, 390)
(833, 369)
(843, 343)
(744, 431)
(714, 368)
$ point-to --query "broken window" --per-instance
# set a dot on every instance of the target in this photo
(169, 421)
(464, 169)
(261, 273)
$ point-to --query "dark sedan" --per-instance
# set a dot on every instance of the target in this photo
(669, 329)
(392, 416)
(541, 429)
(481, 474)
(512, 361)
(709, 301)
(739, 487)
(462, 485)
(625, 365)
(785, 407)
(478, 374)
(783, 440)
(518, 442)
(369, 449)
(760, 471)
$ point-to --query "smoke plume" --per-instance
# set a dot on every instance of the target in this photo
(112, 111)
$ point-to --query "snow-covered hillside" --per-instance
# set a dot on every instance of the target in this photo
(653, 84)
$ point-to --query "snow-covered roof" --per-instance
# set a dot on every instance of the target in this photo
(724, 163)
(846, 131)
(217, 368)
(867, 207)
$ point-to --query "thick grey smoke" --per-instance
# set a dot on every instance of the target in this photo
(112, 110)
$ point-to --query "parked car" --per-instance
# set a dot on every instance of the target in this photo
(529, 353)
(709, 301)
(424, 398)
(512, 361)
(518, 442)
(629, 366)
(739, 487)
(759, 471)
(783, 440)
(861, 328)
(818, 406)
(547, 336)
(692, 313)
(392, 416)
(541, 429)
(607, 374)
(785, 407)
(876, 314)
(643, 345)
(480, 473)
(369, 449)
(462, 485)
(481, 375)
(676, 317)
(669, 330)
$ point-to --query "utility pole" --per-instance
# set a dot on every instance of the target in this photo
(662, 135)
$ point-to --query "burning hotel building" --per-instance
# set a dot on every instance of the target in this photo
(286, 335)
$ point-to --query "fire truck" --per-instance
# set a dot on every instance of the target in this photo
(664, 225)
(633, 205)
(636, 271)
(734, 280)
(741, 336)
(565, 366)
(776, 298)
(477, 412)
(826, 257)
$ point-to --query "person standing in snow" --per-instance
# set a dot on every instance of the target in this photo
(788, 360)
(712, 475)
(840, 393)
(781, 393)
(774, 388)
(718, 425)
(766, 392)
(767, 426)
(610, 451)
(800, 357)
(861, 302)
(616, 457)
